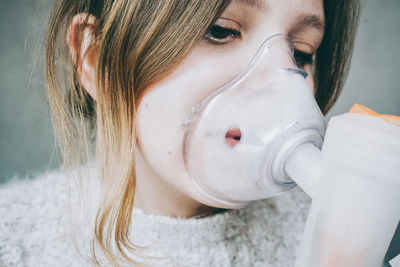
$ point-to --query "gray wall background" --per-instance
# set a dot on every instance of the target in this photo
(27, 144)
(26, 139)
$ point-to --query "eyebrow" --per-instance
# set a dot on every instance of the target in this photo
(306, 20)
(303, 21)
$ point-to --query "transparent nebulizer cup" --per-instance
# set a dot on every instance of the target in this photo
(356, 201)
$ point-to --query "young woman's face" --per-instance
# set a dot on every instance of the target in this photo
(225, 50)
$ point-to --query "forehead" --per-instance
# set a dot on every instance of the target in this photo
(304, 12)
(264, 4)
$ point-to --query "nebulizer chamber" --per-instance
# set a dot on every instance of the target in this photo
(261, 133)
(356, 200)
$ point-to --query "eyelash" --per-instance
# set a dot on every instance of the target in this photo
(302, 58)
(227, 32)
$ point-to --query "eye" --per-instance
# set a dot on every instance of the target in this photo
(303, 58)
(218, 35)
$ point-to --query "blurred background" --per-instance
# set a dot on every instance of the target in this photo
(27, 144)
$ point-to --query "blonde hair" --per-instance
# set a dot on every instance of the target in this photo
(140, 42)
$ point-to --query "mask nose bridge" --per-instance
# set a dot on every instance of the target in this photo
(276, 53)
(298, 71)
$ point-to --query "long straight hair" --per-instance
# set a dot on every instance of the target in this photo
(140, 42)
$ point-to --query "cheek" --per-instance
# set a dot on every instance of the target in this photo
(165, 105)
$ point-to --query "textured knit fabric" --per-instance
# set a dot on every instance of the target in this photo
(33, 225)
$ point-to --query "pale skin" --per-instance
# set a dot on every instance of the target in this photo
(163, 185)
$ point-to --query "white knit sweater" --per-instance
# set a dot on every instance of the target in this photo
(33, 231)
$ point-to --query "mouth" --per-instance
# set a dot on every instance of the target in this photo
(232, 136)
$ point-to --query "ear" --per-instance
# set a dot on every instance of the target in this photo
(83, 49)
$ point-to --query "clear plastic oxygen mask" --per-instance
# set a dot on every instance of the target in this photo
(237, 139)
(250, 137)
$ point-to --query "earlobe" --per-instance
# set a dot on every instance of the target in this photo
(83, 50)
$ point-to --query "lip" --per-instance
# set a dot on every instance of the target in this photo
(233, 136)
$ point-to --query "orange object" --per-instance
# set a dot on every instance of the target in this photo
(360, 109)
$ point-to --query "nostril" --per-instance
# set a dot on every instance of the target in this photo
(233, 136)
